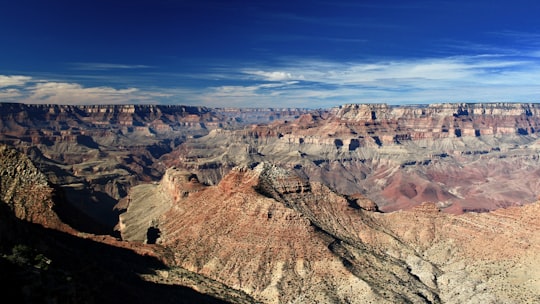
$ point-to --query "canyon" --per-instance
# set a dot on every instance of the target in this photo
(361, 203)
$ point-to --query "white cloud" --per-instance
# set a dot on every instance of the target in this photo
(444, 69)
(317, 83)
(32, 90)
(260, 95)
(479, 78)
(73, 93)
(275, 75)
(10, 94)
(15, 80)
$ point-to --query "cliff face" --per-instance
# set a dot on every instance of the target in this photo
(41, 257)
(276, 236)
(96, 153)
(394, 124)
(399, 156)
(146, 203)
(55, 123)
(25, 190)
(288, 211)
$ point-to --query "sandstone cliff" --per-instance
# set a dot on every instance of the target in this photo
(398, 156)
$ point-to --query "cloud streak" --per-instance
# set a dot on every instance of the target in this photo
(294, 82)
(479, 78)
(99, 66)
(14, 80)
(72, 93)
(27, 89)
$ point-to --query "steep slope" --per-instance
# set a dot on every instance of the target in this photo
(278, 237)
(26, 191)
(235, 235)
(44, 260)
(94, 154)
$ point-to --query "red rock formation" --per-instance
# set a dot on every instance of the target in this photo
(26, 191)
(279, 238)
(399, 156)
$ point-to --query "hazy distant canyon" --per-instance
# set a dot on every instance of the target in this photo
(361, 203)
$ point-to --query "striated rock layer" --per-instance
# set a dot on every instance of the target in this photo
(95, 153)
(397, 156)
(42, 259)
(464, 157)
(274, 235)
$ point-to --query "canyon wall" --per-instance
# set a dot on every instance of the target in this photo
(274, 235)
(399, 156)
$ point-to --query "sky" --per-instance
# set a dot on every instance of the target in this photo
(307, 54)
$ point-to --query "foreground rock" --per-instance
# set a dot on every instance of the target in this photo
(281, 239)
(42, 259)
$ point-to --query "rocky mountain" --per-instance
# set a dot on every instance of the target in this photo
(464, 157)
(354, 204)
(96, 153)
(42, 259)
(276, 236)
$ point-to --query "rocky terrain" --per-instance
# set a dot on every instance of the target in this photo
(464, 157)
(95, 154)
(42, 259)
(272, 234)
(355, 204)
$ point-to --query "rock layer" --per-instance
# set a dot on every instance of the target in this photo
(289, 211)
(398, 156)
(276, 236)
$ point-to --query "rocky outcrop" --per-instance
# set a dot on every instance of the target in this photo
(148, 202)
(260, 115)
(398, 156)
(101, 151)
(272, 234)
(26, 190)
(262, 246)
(441, 120)
(41, 257)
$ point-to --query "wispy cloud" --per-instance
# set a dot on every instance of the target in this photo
(274, 75)
(14, 80)
(294, 82)
(33, 90)
(258, 95)
(72, 93)
(10, 94)
(100, 66)
(383, 73)
(325, 83)
(523, 38)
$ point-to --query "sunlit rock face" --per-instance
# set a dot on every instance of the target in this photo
(274, 235)
(355, 204)
(398, 156)
(25, 190)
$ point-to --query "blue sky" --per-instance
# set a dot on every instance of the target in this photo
(269, 53)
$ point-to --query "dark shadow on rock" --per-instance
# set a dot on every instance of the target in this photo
(152, 234)
(78, 270)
